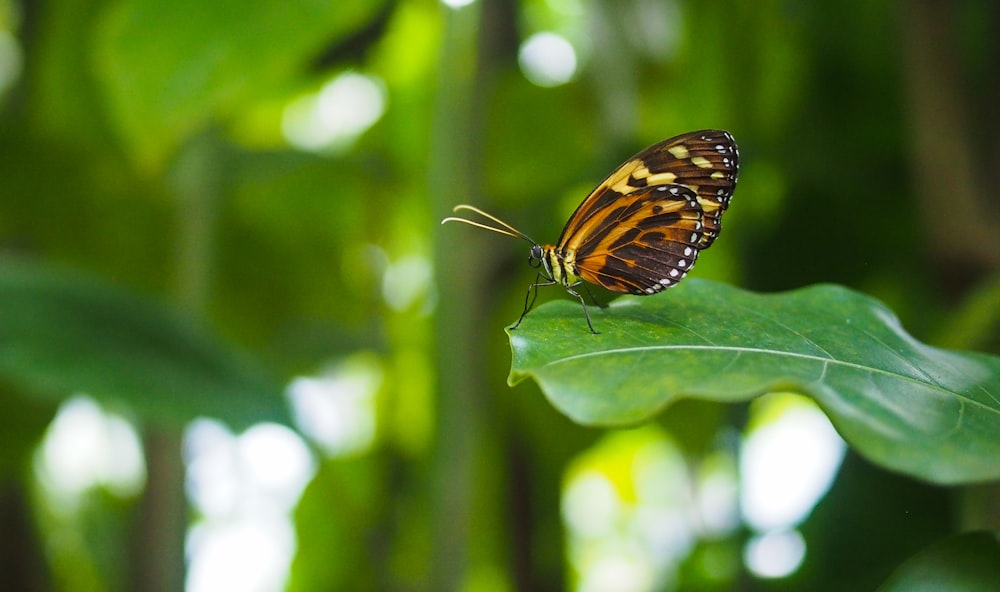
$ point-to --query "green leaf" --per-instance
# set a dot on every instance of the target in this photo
(927, 412)
(968, 563)
(169, 67)
(61, 333)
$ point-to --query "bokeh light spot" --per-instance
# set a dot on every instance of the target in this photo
(334, 117)
(775, 554)
(547, 59)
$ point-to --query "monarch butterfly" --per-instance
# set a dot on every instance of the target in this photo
(642, 228)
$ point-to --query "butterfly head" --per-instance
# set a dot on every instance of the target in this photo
(536, 256)
(545, 257)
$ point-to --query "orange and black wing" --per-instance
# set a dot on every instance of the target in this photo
(645, 242)
(706, 162)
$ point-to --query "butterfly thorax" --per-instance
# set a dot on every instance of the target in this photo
(558, 265)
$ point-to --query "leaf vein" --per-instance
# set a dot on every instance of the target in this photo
(934, 385)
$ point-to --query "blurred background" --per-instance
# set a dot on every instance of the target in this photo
(238, 351)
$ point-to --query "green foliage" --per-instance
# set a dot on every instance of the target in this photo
(166, 250)
(72, 333)
(964, 563)
(163, 93)
(930, 413)
(347, 532)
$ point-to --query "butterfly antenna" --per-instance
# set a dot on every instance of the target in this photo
(506, 229)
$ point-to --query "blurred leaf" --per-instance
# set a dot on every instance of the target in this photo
(220, 54)
(931, 413)
(968, 563)
(867, 524)
(336, 524)
(533, 133)
(22, 423)
(63, 333)
(298, 218)
(976, 323)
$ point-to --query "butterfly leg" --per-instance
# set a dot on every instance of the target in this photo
(532, 294)
(586, 313)
(594, 299)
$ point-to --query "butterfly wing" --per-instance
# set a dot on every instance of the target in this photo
(646, 242)
(706, 162)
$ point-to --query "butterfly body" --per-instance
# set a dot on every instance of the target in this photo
(641, 229)
(559, 266)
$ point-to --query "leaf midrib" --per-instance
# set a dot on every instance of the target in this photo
(760, 351)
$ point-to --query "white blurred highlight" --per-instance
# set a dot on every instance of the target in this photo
(547, 59)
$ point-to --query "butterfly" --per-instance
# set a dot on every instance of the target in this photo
(641, 230)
